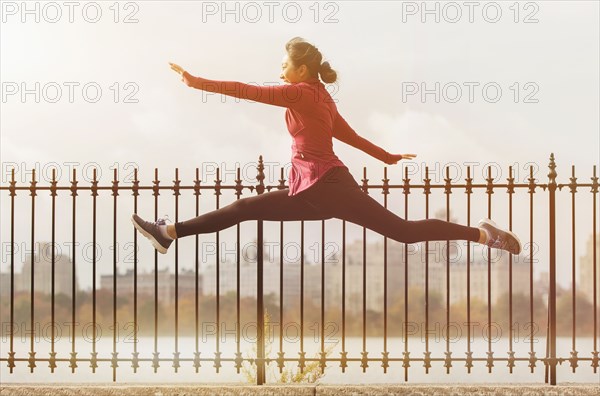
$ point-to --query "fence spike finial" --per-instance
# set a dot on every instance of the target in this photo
(260, 176)
(552, 174)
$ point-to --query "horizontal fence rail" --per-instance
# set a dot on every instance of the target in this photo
(263, 358)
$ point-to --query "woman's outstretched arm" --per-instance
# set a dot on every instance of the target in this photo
(342, 131)
(277, 95)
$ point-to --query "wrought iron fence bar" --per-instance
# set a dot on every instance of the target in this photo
(260, 318)
(126, 188)
(322, 334)
(196, 274)
(217, 364)
(560, 186)
(260, 347)
(469, 191)
(573, 189)
(155, 193)
(238, 353)
(511, 352)
(531, 191)
(372, 186)
(552, 286)
(447, 192)
(135, 352)
(559, 360)
(281, 322)
(11, 354)
(53, 280)
(176, 194)
(115, 195)
(406, 353)
(594, 191)
(33, 194)
(490, 353)
(281, 355)
(302, 354)
(315, 359)
(427, 353)
(73, 364)
(434, 359)
(94, 194)
(385, 352)
(343, 353)
(364, 352)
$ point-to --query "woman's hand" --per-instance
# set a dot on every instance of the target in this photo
(394, 158)
(185, 76)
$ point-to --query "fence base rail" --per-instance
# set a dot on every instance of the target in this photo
(300, 390)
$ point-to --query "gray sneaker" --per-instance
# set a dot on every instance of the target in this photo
(501, 239)
(151, 231)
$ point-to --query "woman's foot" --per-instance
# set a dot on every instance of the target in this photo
(156, 232)
(500, 239)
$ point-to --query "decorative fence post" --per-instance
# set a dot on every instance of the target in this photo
(551, 334)
(260, 318)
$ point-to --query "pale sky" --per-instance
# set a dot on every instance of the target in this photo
(553, 61)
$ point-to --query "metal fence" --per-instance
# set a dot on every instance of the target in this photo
(550, 360)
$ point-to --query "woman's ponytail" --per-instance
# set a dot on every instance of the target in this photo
(328, 75)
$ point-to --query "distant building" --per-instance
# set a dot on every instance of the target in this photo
(312, 277)
(5, 284)
(417, 255)
(374, 266)
(248, 278)
(497, 276)
(417, 263)
(40, 264)
(585, 284)
(165, 284)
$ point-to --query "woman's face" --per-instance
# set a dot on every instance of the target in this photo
(290, 74)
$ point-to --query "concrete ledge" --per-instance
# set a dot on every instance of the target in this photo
(156, 390)
(301, 390)
(460, 390)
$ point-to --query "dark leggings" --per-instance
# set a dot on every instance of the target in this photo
(337, 195)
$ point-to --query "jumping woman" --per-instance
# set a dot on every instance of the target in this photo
(320, 185)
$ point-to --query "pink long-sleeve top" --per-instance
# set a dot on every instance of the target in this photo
(312, 120)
